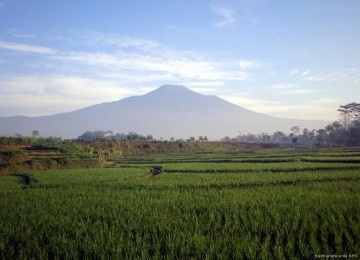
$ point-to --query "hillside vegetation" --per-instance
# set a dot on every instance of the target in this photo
(26, 153)
(19, 154)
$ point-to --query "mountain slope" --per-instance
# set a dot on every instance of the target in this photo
(168, 111)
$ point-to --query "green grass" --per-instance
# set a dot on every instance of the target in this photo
(241, 210)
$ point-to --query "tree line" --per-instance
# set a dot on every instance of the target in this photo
(90, 136)
(344, 132)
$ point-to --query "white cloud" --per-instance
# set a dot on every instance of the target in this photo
(321, 109)
(59, 93)
(204, 83)
(227, 15)
(294, 73)
(291, 89)
(305, 73)
(249, 64)
(297, 72)
(282, 86)
(28, 36)
(25, 48)
(301, 91)
(352, 76)
(156, 63)
(96, 38)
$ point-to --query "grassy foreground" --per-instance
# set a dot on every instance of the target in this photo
(211, 207)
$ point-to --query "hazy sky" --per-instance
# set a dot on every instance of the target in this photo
(296, 59)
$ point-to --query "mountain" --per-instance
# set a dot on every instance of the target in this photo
(169, 111)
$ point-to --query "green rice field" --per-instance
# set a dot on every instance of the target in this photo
(251, 204)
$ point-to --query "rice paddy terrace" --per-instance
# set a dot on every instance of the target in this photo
(22, 158)
(243, 204)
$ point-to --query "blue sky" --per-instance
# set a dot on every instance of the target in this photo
(295, 59)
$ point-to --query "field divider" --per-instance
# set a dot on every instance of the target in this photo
(212, 161)
(275, 170)
(330, 160)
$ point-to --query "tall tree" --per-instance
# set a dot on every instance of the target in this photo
(351, 109)
(350, 117)
(295, 130)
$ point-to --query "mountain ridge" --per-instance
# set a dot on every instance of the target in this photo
(168, 111)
